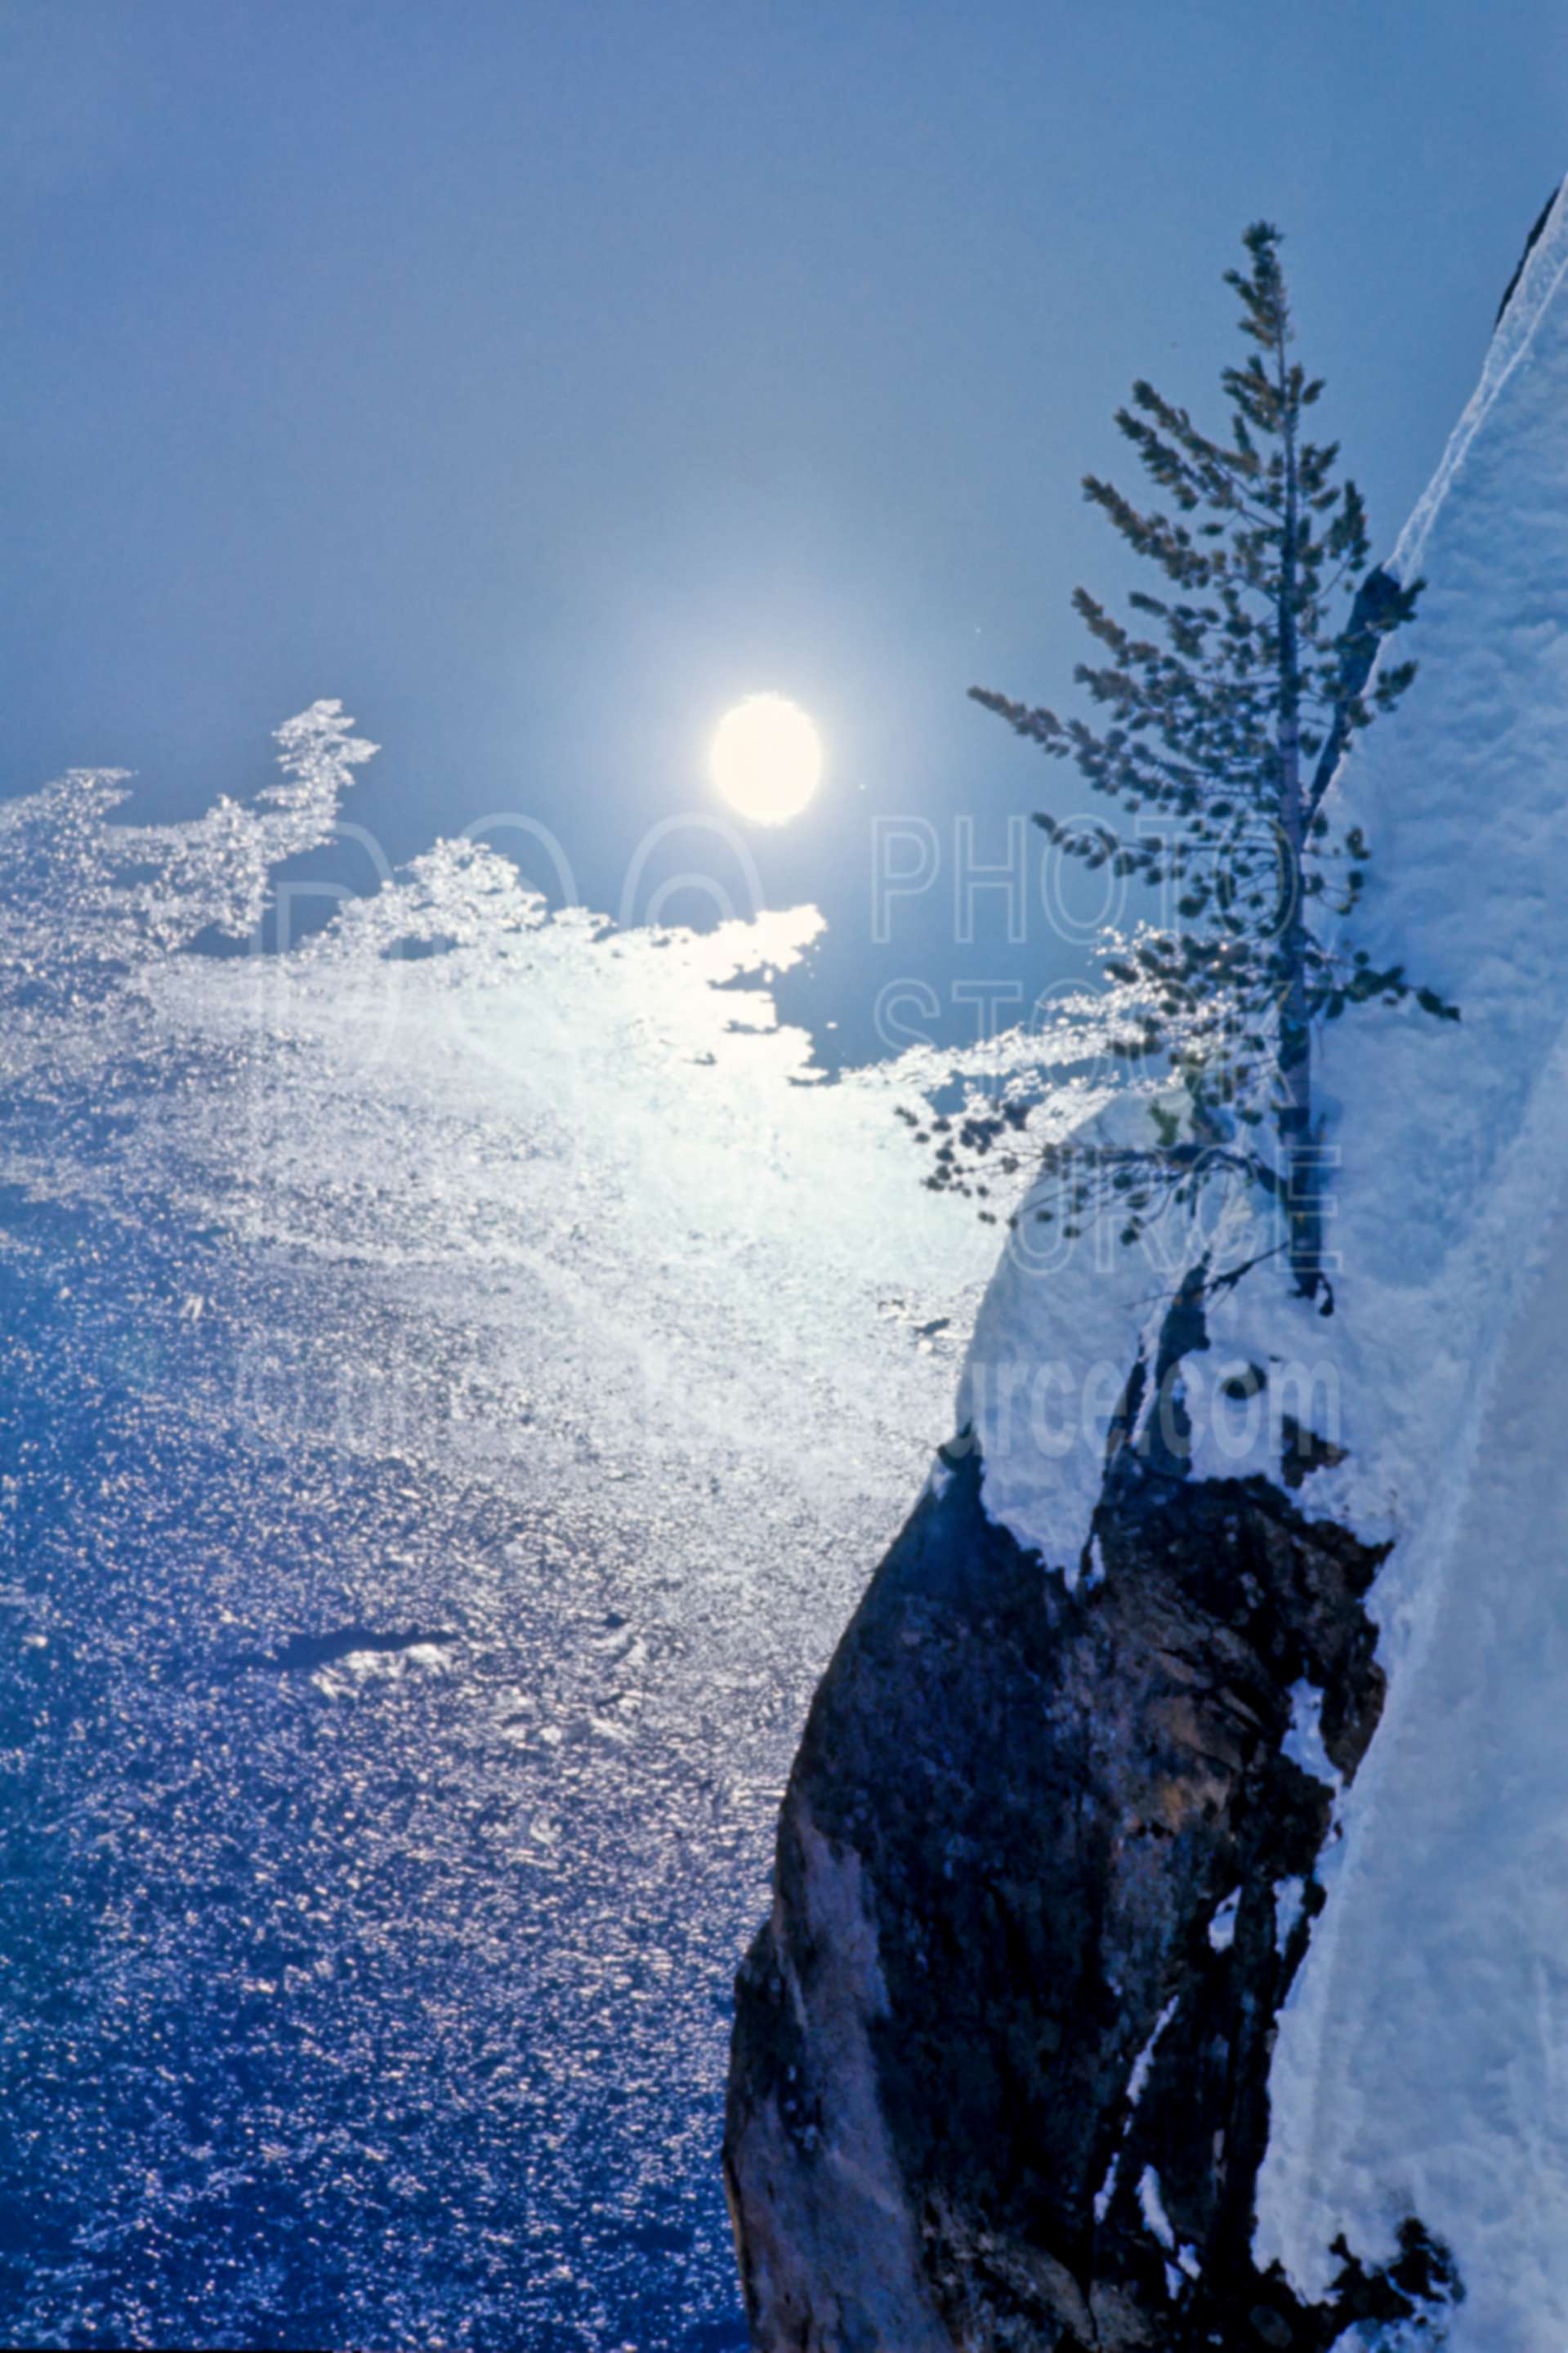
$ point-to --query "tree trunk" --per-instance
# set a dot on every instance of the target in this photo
(1298, 1171)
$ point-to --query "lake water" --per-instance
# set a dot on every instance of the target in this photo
(457, 1376)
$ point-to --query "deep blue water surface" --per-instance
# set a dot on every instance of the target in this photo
(449, 1405)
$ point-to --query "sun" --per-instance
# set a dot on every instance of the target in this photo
(767, 758)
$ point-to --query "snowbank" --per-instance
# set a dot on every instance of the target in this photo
(1420, 2062)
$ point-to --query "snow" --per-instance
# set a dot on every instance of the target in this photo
(599, 1241)
(1289, 1897)
(1054, 1338)
(1152, 2200)
(1222, 1927)
(1422, 2063)
(1137, 2082)
(1153, 2205)
(1303, 1743)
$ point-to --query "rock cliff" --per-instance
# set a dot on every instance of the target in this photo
(1046, 1868)
(1166, 1945)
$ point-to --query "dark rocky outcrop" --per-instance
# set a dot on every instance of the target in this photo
(1531, 242)
(1000, 2059)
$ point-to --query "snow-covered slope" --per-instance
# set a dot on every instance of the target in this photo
(1421, 2063)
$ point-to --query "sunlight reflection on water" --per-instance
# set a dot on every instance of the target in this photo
(506, 1323)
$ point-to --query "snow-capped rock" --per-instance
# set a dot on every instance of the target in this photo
(1221, 1592)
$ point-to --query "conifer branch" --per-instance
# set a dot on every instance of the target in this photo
(1228, 704)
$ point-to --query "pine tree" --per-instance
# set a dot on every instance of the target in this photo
(1228, 702)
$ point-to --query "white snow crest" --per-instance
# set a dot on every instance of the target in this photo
(1422, 2063)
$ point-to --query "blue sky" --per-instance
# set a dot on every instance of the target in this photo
(541, 379)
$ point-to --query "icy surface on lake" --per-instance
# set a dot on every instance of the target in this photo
(459, 1376)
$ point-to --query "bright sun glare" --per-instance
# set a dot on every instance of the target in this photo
(767, 759)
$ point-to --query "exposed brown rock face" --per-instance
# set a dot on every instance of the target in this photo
(1000, 2073)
